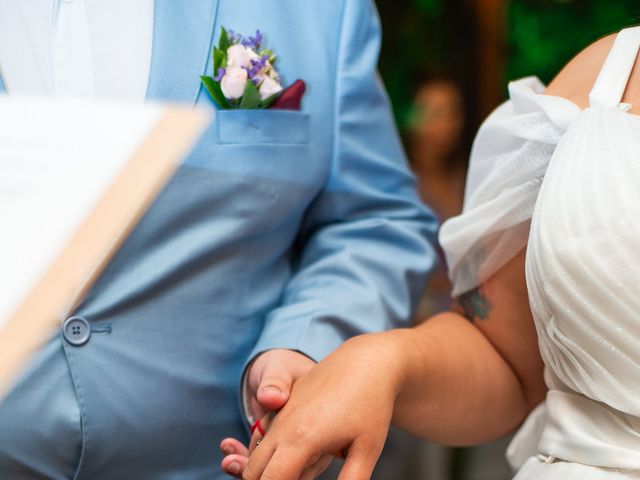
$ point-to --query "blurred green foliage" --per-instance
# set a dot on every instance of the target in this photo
(418, 35)
(441, 35)
(543, 35)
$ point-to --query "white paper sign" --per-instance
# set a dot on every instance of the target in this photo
(57, 158)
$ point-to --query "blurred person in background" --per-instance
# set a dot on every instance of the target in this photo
(438, 157)
(435, 145)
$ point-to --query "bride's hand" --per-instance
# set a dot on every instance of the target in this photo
(237, 455)
(343, 406)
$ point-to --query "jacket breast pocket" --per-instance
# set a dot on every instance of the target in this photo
(260, 144)
(262, 127)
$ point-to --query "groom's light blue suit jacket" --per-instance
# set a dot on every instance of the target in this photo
(281, 230)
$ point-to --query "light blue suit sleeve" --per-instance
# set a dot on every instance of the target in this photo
(366, 243)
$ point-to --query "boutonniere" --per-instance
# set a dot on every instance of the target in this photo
(245, 76)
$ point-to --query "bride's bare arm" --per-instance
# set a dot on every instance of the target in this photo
(460, 378)
(473, 375)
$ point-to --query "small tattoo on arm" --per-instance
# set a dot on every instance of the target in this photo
(474, 305)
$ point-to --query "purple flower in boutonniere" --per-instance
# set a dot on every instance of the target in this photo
(244, 73)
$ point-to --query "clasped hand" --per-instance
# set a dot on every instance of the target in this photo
(341, 408)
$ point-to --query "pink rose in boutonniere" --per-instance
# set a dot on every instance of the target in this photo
(245, 75)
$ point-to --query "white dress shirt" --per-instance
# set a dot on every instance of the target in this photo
(76, 48)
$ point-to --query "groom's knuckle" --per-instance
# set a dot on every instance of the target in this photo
(299, 435)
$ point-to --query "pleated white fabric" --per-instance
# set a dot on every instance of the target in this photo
(508, 162)
(543, 468)
(567, 184)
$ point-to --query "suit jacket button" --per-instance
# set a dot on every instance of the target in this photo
(76, 331)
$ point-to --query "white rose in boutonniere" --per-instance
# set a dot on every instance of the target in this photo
(240, 56)
(234, 82)
(269, 87)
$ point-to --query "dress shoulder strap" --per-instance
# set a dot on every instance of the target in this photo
(614, 76)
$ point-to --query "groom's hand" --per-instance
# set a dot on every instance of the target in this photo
(270, 378)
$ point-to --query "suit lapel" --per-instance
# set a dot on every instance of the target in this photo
(182, 39)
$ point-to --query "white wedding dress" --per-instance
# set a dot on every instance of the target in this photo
(566, 184)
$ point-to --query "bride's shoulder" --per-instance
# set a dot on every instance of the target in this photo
(576, 79)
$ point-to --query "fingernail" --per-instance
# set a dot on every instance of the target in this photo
(272, 389)
(228, 450)
(234, 468)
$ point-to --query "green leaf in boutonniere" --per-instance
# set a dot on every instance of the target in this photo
(219, 59)
(215, 91)
(224, 42)
(251, 98)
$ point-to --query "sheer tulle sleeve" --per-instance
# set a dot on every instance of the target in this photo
(508, 162)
